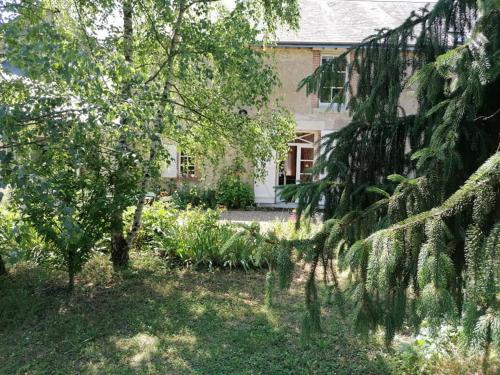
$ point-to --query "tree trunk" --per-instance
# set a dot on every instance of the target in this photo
(127, 30)
(3, 269)
(119, 245)
(137, 221)
(155, 141)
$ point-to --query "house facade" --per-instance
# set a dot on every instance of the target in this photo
(327, 29)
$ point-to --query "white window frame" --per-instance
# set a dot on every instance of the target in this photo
(346, 100)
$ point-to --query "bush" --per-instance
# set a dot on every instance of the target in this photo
(195, 196)
(19, 240)
(195, 237)
(234, 193)
(231, 191)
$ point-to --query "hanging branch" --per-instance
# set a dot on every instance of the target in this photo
(405, 252)
(487, 175)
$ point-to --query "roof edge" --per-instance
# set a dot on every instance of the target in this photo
(313, 45)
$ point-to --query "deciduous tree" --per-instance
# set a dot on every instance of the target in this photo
(168, 71)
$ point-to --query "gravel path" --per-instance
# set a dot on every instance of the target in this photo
(259, 216)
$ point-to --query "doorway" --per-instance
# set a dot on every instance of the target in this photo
(296, 168)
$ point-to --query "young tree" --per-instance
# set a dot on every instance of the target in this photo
(417, 244)
(176, 71)
(56, 167)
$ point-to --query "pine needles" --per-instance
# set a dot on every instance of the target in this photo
(412, 205)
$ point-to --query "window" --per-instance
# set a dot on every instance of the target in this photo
(187, 166)
(333, 85)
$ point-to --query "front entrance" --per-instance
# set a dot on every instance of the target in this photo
(296, 168)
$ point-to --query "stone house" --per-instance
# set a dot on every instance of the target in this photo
(327, 29)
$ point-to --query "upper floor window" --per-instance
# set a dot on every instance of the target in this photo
(333, 88)
(187, 166)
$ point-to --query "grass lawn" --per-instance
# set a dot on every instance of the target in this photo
(155, 320)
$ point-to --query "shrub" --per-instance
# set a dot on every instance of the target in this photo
(234, 193)
(192, 195)
(231, 191)
(19, 240)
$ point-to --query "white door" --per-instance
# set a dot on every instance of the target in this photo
(305, 161)
(296, 168)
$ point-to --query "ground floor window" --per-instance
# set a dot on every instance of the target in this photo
(187, 166)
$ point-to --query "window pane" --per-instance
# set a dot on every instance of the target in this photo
(186, 165)
(325, 59)
(332, 82)
(338, 95)
(307, 154)
(305, 166)
(291, 161)
(338, 80)
(325, 94)
(305, 177)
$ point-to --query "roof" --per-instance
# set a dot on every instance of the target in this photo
(345, 22)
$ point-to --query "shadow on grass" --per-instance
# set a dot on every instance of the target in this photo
(160, 321)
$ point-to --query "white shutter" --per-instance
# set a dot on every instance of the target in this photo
(264, 189)
(169, 169)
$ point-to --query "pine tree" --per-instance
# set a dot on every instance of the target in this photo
(412, 201)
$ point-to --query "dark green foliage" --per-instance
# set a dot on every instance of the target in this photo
(411, 201)
(59, 181)
(270, 283)
(195, 196)
(284, 264)
(311, 321)
(19, 241)
(232, 192)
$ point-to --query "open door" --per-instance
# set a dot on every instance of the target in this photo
(296, 168)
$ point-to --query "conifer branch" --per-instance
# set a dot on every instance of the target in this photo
(487, 174)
